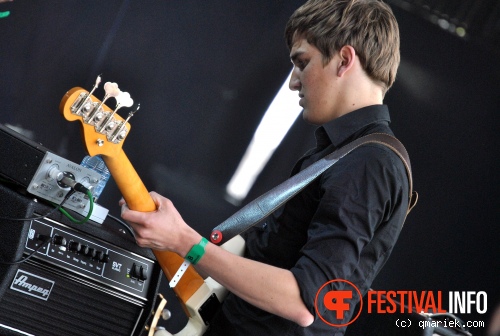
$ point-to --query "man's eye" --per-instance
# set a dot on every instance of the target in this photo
(301, 65)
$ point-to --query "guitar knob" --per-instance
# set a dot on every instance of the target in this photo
(166, 314)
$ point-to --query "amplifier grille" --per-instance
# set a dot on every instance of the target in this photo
(72, 309)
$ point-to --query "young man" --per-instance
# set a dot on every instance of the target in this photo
(343, 225)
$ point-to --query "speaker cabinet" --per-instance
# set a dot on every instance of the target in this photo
(95, 289)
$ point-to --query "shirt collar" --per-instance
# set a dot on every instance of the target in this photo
(340, 129)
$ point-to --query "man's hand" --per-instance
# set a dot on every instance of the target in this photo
(163, 229)
(267, 287)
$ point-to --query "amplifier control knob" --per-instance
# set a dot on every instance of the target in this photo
(75, 246)
(58, 240)
(138, 272)
(99, 255)
(91, 253)
(142, 274)
(84, 250)
(105, 258)
(133, 271)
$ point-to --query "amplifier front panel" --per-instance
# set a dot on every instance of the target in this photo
(91, 258)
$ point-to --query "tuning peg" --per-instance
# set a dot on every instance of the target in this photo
(124, 99)
(111, 90)
(97, 81)
(121, 133)
(86, 98)
(136, 109)
(96, 85)
(131, 114)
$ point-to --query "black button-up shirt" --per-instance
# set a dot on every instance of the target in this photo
(342, 226)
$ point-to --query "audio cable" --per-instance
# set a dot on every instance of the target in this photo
(57, 208)
(91, 208)
(74, 186)
(122, 223)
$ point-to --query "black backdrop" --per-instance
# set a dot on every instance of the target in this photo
(205, 72)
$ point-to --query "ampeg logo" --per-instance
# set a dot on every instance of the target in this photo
(33, 285)
(337, 302)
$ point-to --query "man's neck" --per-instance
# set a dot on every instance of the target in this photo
(362, 95)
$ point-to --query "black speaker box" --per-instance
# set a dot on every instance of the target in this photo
(19, 156)
(78, 304)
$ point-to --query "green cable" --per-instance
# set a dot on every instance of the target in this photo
(91, 208)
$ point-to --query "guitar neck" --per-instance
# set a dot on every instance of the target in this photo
(137, 197)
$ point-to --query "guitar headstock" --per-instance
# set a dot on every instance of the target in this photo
(103, 130)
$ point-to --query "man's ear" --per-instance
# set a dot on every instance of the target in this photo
(347, 58)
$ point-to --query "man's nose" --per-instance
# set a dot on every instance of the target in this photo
(294, 84)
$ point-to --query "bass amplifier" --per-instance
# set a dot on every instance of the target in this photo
(62, 278)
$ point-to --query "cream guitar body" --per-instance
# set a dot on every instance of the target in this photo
(205, 293)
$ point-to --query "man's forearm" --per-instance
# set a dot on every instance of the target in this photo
(272, 289)
(267, 287)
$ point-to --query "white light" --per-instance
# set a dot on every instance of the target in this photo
(273, 127)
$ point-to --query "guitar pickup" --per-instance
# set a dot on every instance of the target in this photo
(209, 308)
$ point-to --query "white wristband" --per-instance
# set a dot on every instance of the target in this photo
(180, 272)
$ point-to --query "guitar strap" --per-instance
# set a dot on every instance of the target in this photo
(263, 206)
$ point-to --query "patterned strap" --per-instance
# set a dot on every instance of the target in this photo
(261, 207)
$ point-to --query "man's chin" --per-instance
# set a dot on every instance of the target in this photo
(307, 118)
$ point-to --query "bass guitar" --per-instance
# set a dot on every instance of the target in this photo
(104, 132)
